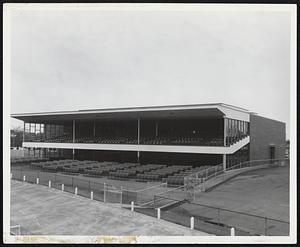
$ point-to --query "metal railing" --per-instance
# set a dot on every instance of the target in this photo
(89, 188)
(216, 220)
(198, 181)
(142, 197)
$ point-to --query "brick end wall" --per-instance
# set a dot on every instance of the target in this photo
(263, 132)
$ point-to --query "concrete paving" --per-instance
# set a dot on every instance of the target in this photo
(46, 211)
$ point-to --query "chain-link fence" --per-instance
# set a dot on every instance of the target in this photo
(216, 220)
(82, 187)
(89, 188)
(143, 197)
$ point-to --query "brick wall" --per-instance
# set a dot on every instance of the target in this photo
(263, 132)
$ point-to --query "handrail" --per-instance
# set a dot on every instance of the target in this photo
(224, 209)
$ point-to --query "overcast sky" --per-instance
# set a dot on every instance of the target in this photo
(70, 60)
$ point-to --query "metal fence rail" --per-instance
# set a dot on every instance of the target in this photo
(84, 187)
(197, 182)
(219, 220)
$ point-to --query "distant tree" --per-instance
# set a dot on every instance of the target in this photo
(16, 137)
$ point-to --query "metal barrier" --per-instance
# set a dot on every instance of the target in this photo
(216, 220)
(197, 182)
(142, 197)
(101, 191)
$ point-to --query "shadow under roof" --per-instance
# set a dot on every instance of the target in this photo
(158, 112)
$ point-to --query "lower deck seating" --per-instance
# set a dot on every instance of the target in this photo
(172, 174)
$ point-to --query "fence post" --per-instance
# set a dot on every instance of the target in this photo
(62, 187)
(49, 184)
(158, 213)
(92, 195)
(132, 206)
(192, 223)
(266, 228)
(37, 180)
(24, 178)
(104, 192)
(76, 190)
(232, 231)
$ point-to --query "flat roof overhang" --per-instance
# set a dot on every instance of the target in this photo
(157, 112)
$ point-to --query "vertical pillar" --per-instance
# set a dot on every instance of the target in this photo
(73, 154)
(94, 129)
(23, 134)
(138, 139)
(225, 130)
(49, 131)
(156, 129)
(224, 162)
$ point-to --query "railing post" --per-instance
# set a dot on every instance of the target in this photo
(76, 190)
(132, 206)
(92, 195)
(232, 231)
(49, 184)
(37, 180)
(158, 213)
(62, 187)
(192, 223)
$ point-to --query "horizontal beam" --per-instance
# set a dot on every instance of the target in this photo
(142, 148)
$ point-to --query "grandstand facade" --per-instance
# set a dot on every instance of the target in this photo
(206, 134)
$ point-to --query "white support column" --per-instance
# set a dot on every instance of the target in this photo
(224, 162)
(225, 128)
(37, 180)
(74, 137)
(24, 178)
(158, 213)
(94, 129)
(138, 131)
(138, 139)
(62, 187)
(23, 134)
(132, 206)
(232, 231)
(76, 190)
(92, 195)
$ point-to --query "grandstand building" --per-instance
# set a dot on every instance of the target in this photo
(203, 134)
